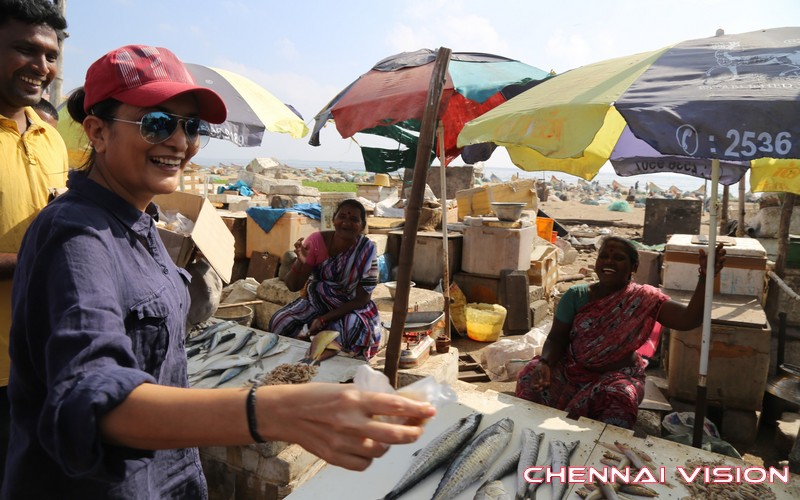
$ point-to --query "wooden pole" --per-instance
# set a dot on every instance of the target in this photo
(723, 218)
(56, 91)
(443, 342)
(740, 220)
(773, 290)
(413, 209)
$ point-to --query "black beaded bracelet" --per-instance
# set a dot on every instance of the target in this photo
(251, 415)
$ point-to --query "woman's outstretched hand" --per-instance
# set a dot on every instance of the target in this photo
(337, 423)
(719, 260)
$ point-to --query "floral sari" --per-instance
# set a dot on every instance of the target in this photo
(604, 331)
(332, 283)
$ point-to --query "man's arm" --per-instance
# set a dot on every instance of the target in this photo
(8, 262)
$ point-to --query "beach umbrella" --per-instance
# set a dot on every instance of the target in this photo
(252, 110)
(389, 99)
(728, 98)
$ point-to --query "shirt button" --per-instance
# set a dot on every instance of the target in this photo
(164, 270)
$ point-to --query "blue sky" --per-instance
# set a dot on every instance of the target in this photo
(305, 52)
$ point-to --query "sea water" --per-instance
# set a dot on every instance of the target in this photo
(605, 177)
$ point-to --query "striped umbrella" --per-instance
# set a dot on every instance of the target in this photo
(251, 111)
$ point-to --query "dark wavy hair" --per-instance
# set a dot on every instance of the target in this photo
(628, 245)
(353, 203)
(103, 110)
(33, 12)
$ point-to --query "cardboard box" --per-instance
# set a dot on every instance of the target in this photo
(210, 235)
(744, 272)
(544, 268)
(281, 237)
(477, 201)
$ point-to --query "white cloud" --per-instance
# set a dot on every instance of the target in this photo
(286, 48)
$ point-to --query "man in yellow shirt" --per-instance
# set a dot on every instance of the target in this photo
(33, 157)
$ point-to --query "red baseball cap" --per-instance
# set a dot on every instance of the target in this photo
(147, 76)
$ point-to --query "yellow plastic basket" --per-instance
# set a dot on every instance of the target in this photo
(485, 321)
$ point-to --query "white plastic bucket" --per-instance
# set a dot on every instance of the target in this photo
(329, 202)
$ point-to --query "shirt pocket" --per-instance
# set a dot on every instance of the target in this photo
(148, 331)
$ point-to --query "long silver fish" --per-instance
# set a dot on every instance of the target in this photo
(226, 362)
(494, 490)
(531, 442)
(220, 338)
(239, 342)
(209, 331)
(497, 472)
(470, 463)
(229, 374)
(531, 487)
(264, 344)
(437, 452)
(560, 454)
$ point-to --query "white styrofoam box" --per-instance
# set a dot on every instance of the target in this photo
(490, 250)
(744, 272)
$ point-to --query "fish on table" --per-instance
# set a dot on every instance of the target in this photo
(497, 472)
(560, 454)
(471, 462)
(429, 458)
(531, 442)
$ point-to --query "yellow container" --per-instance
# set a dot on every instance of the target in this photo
(485, 321)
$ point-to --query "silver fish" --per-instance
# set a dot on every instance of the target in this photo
(226, 362)
(220, 338)
(470, 463)
(531, 442)
(264, 344)
(437, 452)
(560, 454)
(496, 472)
(531, 487)
(493, 490)
(240, 341)
(209, 331)
(229, 374)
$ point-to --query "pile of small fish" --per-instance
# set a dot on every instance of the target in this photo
(218, 351)
(737, 491)
(288, 373)
(474, 459)
(631, 457)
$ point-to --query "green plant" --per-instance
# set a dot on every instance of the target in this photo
(333, 187)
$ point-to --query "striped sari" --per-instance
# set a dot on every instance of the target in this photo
(333, 283)
(604, 331)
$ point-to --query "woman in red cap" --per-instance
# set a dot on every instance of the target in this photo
(100, 405)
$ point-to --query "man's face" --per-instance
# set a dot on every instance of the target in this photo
(28, 54)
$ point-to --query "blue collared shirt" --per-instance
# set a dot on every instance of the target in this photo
(98, 309)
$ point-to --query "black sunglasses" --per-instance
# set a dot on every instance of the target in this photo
(156, 127)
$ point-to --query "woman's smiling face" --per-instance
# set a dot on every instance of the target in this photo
(613, 265)
(130, 166)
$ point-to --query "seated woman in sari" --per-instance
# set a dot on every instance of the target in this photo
(589, 366)
(339, 270)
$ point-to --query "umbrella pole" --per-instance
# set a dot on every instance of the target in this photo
(443, 346)
(413, 209)
(700, 408)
